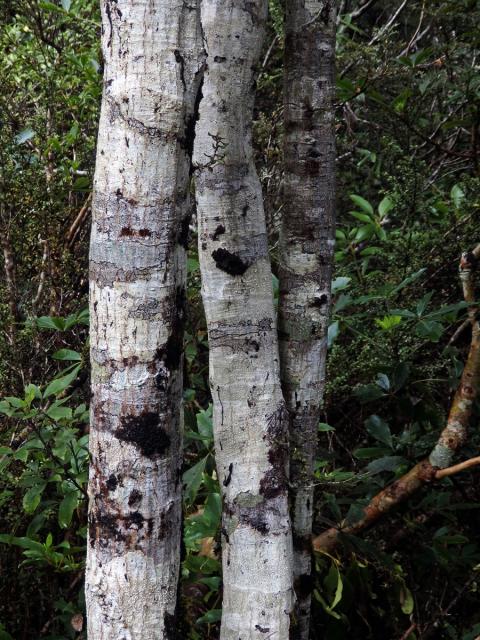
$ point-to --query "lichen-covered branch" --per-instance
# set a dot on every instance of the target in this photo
(453, 436)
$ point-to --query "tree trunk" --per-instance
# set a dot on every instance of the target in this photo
(250, 424)
(306, 252)
(140, 222)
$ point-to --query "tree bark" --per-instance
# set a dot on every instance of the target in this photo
(250, 420)
(306, 258)
(140, 212)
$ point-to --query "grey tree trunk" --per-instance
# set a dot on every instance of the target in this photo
(137, 267)
(306, 254)
(250, 419)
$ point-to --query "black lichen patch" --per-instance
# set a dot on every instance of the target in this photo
(245, 210)
(104, 528)
(184, 232)
(320, 301)
(134, 498)
(171, 352)
(229, 262)
(272, 484)
(112, 482)
(130, 233)
(220, 230)
(134, 518)
(219, 59)
(144, 431)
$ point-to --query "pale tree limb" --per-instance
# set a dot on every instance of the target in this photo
(454, 435)
(78, 223)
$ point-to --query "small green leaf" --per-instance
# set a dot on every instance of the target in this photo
(59, 413)
(385, 206)
(406, 600)
(457, 195)
(362, 203)
(60, 384)
(66, 509)
(333, 332)
(323, 426)
(32, 498)
(48, 322)
(379, 430)
(387, 323)
(192, 479)
(67, 354)
(388, 463)
(214, 615)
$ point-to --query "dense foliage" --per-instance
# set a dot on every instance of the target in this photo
(408, 138)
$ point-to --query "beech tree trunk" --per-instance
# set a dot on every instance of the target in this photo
(140, 214)
(306, 256)
(250, 419)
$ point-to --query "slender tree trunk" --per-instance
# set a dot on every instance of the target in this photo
(250, 422)
(140, 213)
(306, 253)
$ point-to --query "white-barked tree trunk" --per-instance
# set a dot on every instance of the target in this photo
(137, 295)
(250, 419)
(306, 256)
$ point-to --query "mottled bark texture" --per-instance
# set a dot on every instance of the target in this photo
(140, 213)
(250, 419)
(453, 436)
(306, 256)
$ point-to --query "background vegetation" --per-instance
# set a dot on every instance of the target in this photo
(408, 136)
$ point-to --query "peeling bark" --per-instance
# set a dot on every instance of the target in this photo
(137, 298)
(250, 420)
(306, 258)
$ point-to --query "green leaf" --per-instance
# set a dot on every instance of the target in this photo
(323, 426)
(406, 600)
(48, 322)
(60, 384)
(66, 509)
(32, 498)
(457, 195)
(192, 479)
(365, 453)
(429, 329)
(214, 615)
(385, 206)
(67, 354)
(387, 323)
(340, 283)
(379, 430)
(333, 332)
(66, 4)
(363, 217)
(362, 203)
(59, 413)
(368, 392)
(204, 423)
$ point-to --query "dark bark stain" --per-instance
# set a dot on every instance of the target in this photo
(181, 61)
(144, 431)
(170, 626)
(183, 235)
(262, 629)
(220, 230)
(171, 352)
(219, 59)
(112, 482)
(229, 262)
(131, 233)
(134, 498)
(228, 478)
